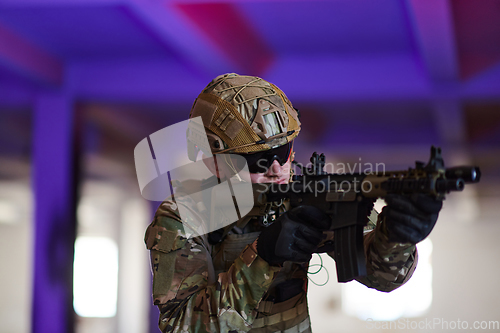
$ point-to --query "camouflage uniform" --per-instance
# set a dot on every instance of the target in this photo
(227, 287)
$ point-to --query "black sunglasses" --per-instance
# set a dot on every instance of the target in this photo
(261, 161)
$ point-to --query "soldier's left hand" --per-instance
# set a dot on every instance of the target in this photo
(410, 219)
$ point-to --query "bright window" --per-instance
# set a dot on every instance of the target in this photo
(95, 277)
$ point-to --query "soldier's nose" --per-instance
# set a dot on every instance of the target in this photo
(275, 169)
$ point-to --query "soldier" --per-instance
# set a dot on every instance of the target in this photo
(251, 275)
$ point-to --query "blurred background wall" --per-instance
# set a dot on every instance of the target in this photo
(83, 81)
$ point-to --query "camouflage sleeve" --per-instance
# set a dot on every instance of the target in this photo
(189, 298)
(389, 265)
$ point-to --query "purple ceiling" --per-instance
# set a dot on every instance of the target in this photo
(418, 61)
(73, 32)
(376, 46)
(332, 28)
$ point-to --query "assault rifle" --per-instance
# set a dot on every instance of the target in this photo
(349, 198)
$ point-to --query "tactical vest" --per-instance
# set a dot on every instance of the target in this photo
(273, 313)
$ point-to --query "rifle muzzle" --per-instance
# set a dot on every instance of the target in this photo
(469, 174)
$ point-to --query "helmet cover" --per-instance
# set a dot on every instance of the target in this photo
(245, 114)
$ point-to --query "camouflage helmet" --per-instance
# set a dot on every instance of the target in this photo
(245, 114)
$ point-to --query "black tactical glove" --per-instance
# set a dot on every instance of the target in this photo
(409, 219)
(294, 236)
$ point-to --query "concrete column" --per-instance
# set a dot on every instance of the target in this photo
(54, 216)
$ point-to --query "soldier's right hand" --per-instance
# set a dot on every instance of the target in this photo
(294, 236)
